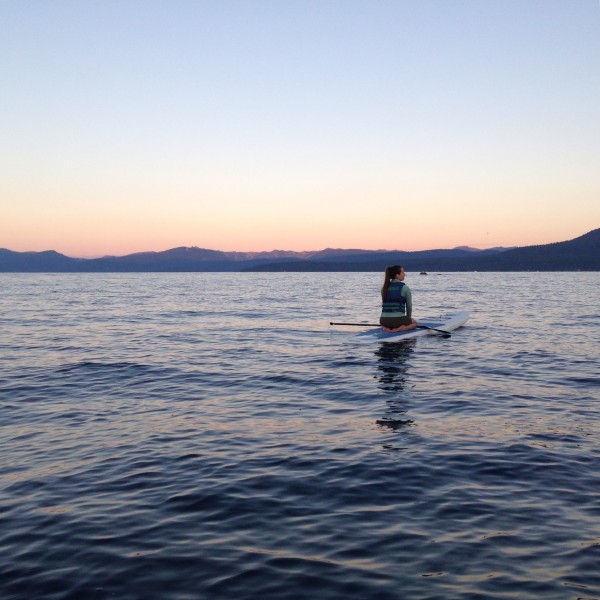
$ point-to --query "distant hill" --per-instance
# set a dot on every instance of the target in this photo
(37, 262)
(582, 253)
(579, 254)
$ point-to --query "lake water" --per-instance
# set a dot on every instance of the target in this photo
(203, 435)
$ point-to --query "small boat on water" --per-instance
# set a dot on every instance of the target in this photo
(423, 273)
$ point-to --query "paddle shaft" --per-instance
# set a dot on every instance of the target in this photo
(358, 324)
(377, 325)
(446, 333)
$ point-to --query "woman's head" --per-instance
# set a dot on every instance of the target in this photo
(393, 271)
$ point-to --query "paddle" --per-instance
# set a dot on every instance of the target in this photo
(446, 333)
(442, 331)
(357, 324)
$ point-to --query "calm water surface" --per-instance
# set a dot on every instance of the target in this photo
(190, 436)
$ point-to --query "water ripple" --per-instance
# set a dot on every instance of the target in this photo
(159, 444)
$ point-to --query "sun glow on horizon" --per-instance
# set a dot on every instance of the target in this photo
(396, 126)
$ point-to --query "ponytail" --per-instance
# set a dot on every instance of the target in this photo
(390, 274)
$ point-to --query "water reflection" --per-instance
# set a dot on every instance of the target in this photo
(392, 366)
(392, 363)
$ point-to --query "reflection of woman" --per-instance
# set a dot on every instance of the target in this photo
(393, 374)
(396, 309)
(392, 366)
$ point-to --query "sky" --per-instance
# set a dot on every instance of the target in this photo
(137, 125)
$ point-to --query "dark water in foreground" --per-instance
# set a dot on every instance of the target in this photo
(188, 436)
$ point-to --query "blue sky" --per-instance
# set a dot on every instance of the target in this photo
(239, 125)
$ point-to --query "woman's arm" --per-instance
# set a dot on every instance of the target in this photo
(408, 297)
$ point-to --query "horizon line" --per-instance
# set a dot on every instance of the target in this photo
(100, 256)
(297, 252)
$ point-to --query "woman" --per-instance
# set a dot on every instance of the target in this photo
(396, 309)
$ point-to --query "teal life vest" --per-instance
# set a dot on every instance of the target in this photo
(394, 302)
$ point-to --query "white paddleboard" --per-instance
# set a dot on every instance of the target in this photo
(445, 323)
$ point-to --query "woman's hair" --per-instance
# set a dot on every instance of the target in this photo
(390, 274)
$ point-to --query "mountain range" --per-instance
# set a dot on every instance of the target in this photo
(579, 254)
